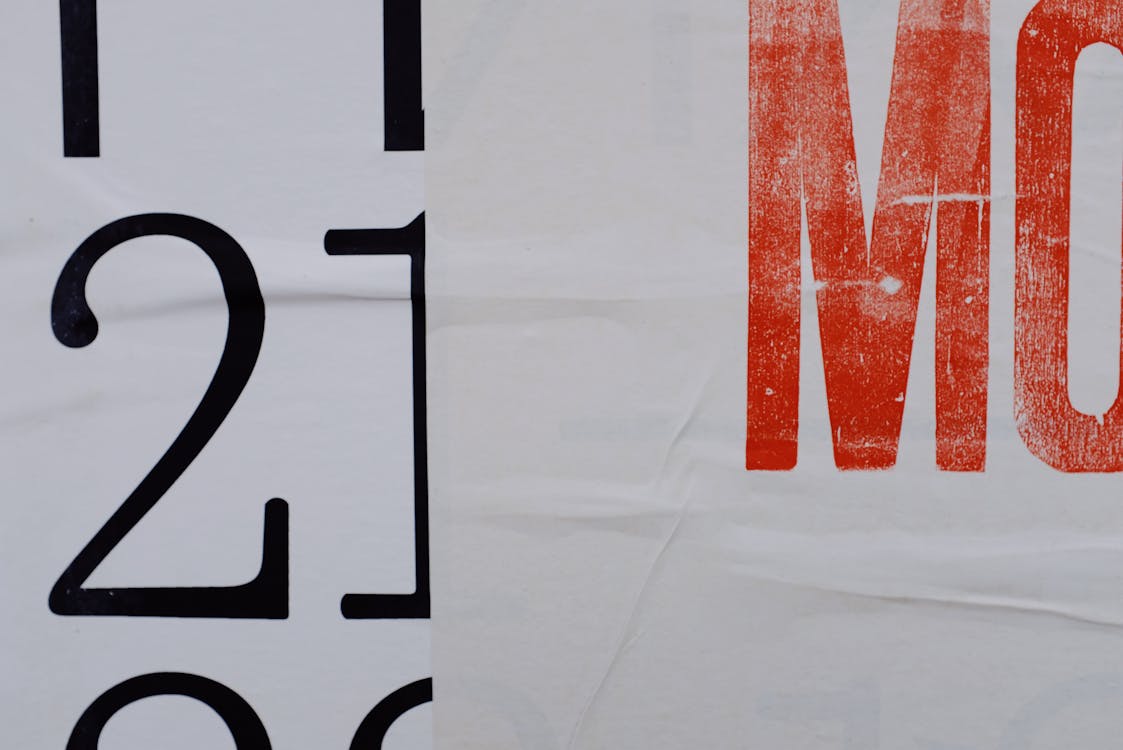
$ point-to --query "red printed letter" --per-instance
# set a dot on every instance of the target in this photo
(1051, 40)
(936, 155)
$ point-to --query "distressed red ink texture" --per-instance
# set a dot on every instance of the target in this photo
(936, 156)
(1051, 39)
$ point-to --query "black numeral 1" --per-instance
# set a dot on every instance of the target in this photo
(408, 240)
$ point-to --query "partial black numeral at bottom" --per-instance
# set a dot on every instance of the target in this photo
(245, 726)
(243, 722)
(373, 730)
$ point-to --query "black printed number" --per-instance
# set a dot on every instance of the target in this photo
(403, 116)
(242, 721)
(240, 718)
(408, 240)
(74, 324)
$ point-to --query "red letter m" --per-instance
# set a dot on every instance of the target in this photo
(935, 157)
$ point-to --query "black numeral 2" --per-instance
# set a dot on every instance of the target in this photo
(74, 324)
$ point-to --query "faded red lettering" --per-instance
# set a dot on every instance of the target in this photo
(1050, 42)
(936, 156)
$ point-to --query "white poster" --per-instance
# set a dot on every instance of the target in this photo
(214, 519)
(659, 533)
(761, 360)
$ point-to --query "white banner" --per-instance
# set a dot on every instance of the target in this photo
(215, 473)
